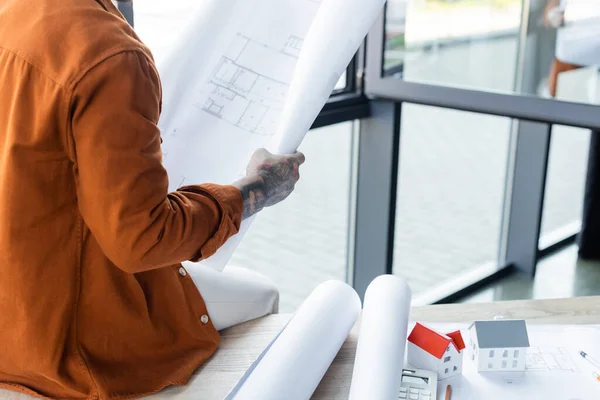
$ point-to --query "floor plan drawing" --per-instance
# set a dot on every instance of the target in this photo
(293, 46)
(248, 95)
(549, 359)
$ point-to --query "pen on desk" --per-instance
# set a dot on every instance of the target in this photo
(589, 359)
(448, 392)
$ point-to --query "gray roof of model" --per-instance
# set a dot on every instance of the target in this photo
(501, 334)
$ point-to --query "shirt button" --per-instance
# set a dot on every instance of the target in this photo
(204, 319)
(182, 271)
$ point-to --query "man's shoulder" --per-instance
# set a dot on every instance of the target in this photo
(65, 38)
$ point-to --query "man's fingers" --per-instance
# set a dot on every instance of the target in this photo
(262, 153)
(298, 157)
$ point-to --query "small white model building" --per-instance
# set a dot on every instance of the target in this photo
(499, 345)
(430, 350)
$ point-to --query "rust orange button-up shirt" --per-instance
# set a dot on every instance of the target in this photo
(91, 301)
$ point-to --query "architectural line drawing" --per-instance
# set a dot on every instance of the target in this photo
(243, 97)
(183, 181)
(550, 359)
(293, 46)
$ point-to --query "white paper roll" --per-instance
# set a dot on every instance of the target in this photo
(293, 366)
(336, 33)
(382, 340)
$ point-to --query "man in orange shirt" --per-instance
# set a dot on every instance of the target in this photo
(94, 300)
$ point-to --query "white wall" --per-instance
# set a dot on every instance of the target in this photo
(455, 361)
(419, 358)
(500, 363)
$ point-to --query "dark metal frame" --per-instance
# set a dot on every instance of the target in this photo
(126, 8)
(463, 286)
(528, 108)
(526, 177)
(375, 205)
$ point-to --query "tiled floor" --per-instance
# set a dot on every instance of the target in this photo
(558, 276)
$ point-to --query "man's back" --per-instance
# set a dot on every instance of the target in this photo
(93, 303)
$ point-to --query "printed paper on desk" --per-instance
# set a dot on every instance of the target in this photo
(236, 83)
(554, 370)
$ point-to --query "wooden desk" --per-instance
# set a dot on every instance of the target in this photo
(241, 345)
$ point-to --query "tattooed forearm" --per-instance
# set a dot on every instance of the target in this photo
(253, 193)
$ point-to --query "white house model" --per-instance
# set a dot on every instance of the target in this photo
(434, 351)
(499, 345)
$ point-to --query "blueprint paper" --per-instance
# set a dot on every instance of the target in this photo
(382, 340)
(294, 364)
(336, 34)
(240, 79)
(225, 83)
(223, 88)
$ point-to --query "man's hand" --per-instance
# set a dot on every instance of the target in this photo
(269, 180)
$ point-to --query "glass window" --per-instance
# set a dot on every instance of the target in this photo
(451, 187)
(460, 42)
(514, 364)
(447, 359)
(491, 353)
(477, 44)
(341, 84)
(303, 241)
(565, 183)
(504, 363)
(505, 354)
(516, 354)
(490, 365)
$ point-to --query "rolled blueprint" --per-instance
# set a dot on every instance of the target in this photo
(233, 83)
(297, 360)
(382, 340)
(334, 37)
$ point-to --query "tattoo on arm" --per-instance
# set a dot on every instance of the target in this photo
(271, 180)
(253, 193)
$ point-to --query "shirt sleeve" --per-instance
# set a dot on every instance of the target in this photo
(122, 186)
